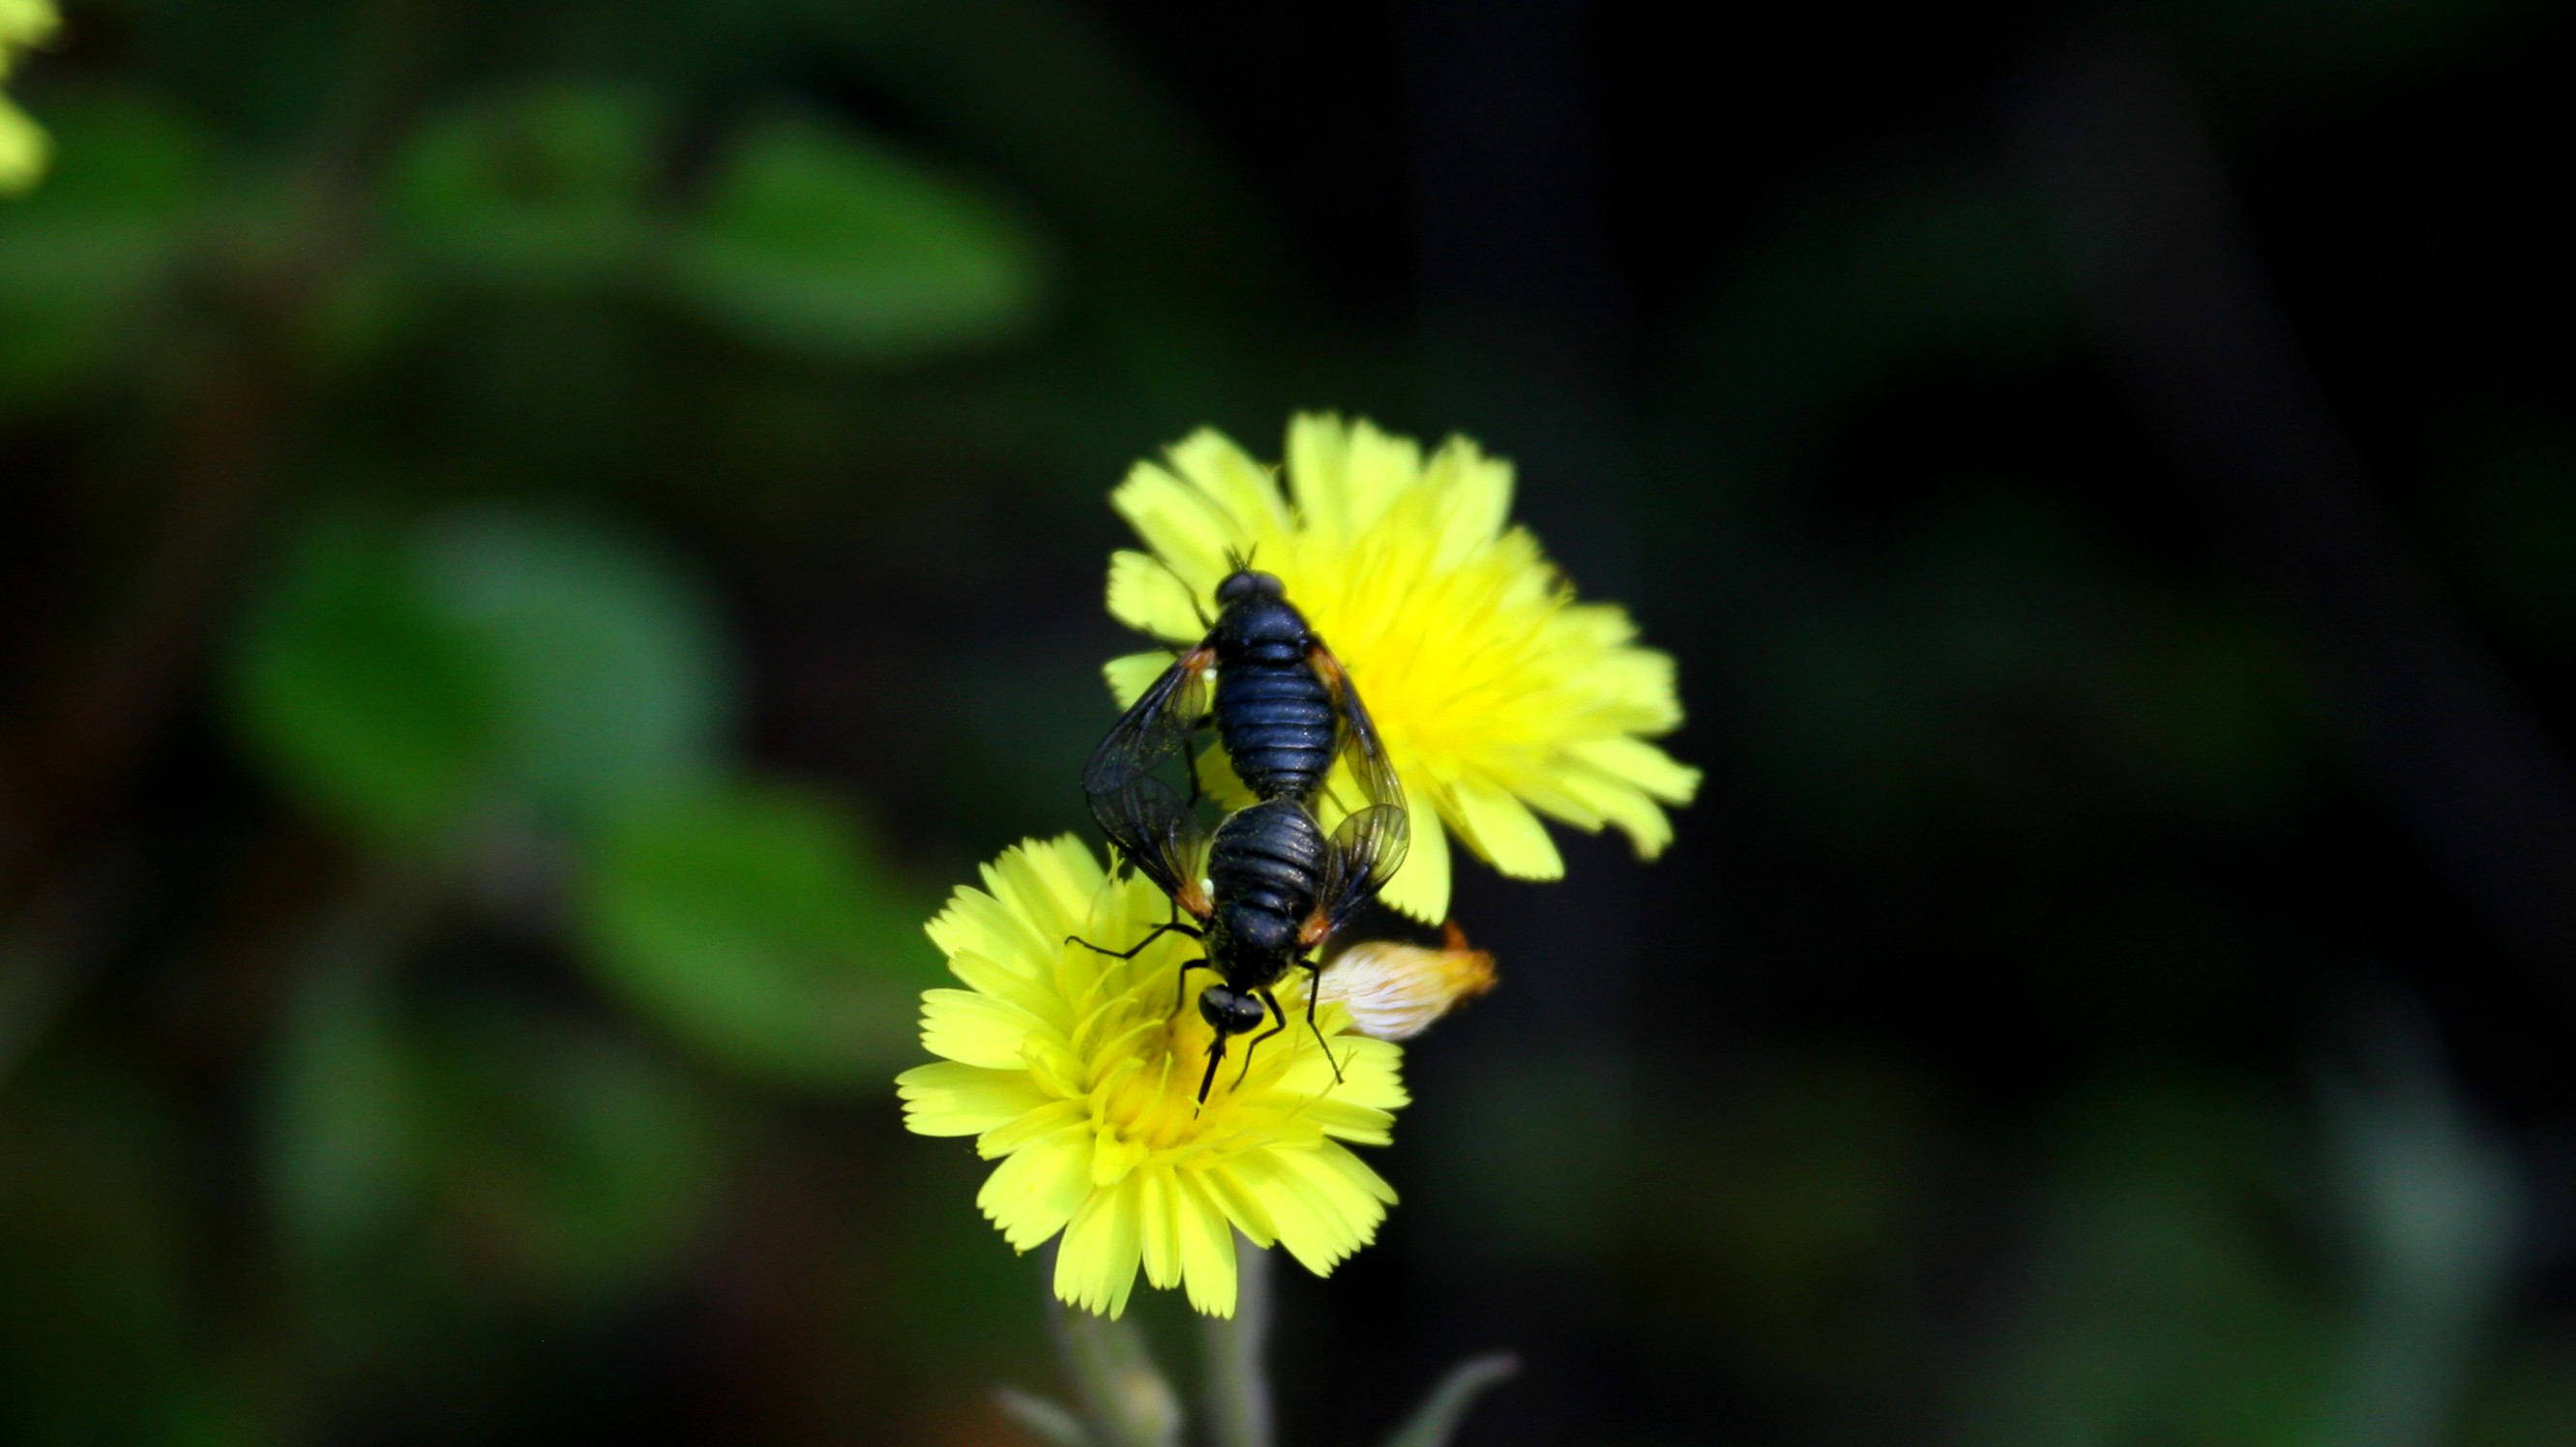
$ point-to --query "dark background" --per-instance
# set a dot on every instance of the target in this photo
(536, 541)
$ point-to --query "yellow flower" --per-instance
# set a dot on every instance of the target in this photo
(1078, 1073)
(1497, 693)
(1396, 991)
(23, 147)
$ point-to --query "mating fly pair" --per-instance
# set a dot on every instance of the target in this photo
(1265, 888)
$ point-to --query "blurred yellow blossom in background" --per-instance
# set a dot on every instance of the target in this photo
(24, 148)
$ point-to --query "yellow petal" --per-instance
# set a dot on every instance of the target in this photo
(1503, 830)
(1222, 783)
(1030, 993)
(1116, 1157)
(1150, 598)
(1596, 798)
(1095, 1268)
(1380, 469)
(1131, 675)
(974, 1029)
(1475, 500)
(1178, 521)
(1207, 1245)
(1421, 887)
(1642, 764)
(1051, 1116)
(1034, 1192)
(1229, 477)
(1318, 477)
(976, 921)
(1158, 1226)
(1344, 1200)
(1040, 884)
(1310, 1222)
(1242, 1205)
(946, 1098)
(1352, 1173)
(1071, 871)
(1350, 1121)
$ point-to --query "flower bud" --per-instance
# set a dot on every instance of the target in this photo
(1394, 991)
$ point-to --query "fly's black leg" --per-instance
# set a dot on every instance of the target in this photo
(1191, 593)
(1183, 996)
(1172, 926)
(1315, 988)
(1272, 1001)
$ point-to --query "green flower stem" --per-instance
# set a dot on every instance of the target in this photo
(1124, 1397)
(1437, 1419)
(1238, 1384)
(1042, 1419)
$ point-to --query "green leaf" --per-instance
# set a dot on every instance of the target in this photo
(821, 240)
(2160, 1301)
(608, 676)
(584, 1164)
(101, 1327)
(398, 681)
(547, 188)
(1437, 1419)
(752, 924)
(469, 1154)
(361, 701)
(344, 1146)
(84, 253)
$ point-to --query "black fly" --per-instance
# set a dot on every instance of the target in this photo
(1266, 887)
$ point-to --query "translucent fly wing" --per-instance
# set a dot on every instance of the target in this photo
(1367, 849)
(1129, 779)
(1362, 752)
(1155, 731)
(1156, 831)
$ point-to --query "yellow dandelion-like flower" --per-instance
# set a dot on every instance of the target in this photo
(1077, 1071)
(23, 147)
(1496, 692)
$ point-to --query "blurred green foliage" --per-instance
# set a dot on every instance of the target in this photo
(752, 923)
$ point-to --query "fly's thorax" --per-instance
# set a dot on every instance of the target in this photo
(1251, 949)
(1259, 624)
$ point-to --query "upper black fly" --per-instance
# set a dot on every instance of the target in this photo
(1266, 886)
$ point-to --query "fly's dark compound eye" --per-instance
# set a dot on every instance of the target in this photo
(1246, 585)
(1230, 1012)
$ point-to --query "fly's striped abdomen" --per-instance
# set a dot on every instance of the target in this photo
(1265, 867)
(1276, 720)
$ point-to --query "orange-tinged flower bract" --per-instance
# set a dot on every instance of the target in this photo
(1396, 991)
(1079, 1073)
(1498, 693)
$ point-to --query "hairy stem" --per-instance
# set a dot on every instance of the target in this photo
(1238, 1381)
(1125, 1400)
